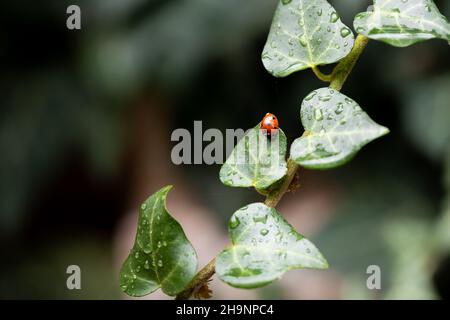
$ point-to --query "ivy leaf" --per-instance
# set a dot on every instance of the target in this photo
(336, 128)
(305, 34)
(264, 246)
(162, 256)
(256, 161)
(402, 23)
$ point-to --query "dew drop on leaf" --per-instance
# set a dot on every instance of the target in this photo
(311, 95)
(303, 42)
(339, 108)
(318, 115)
(334, 17)
(234, 222)
(345, 32)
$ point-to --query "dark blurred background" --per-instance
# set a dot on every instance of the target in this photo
(85, 124)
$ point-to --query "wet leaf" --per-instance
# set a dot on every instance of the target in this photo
(256, 161)
(402, 23)
(264, 246)
(305, 34)
(162, 256)
(336, 128)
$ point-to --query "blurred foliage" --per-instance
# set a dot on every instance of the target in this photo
(65, 96)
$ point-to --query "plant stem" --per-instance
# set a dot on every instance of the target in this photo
(343, 69)
(275, 197)
(320, 75)
(200, 278)
(337, 78)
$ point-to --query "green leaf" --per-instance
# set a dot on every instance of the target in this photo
(336, 128)
(264, 246)
(305, 34)
(402, 23)
(162, 256)
(256, 161)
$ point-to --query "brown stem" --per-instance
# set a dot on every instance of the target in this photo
(200, 278)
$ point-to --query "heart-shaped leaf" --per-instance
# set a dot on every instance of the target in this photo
(305, 34)
(264, 246)
(336, 128)
(403, 22)
(162, 256)
(256, 161)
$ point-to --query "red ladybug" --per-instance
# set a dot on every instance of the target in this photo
(269, 124)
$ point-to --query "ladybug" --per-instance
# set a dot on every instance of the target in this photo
(269, 125)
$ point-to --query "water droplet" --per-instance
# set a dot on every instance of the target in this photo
(286, 1)
(266, 56)
(147, 250)
(262, 219)
(319, 12)
(325, 98)
(334, 17)
(146, 265)
(311, 95)
(318, 115)
(345, 32)
(164, 243)
(360, 29)
(308, 250)
(273, 45)
(124, 287)
(143, 206)
(138, 268)
(160, 263)
(134, 276)
(339, 108)
(234, 222)
(159, 244)
(264, 232)
(136, 255)
(329, 29)
(303, 42)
